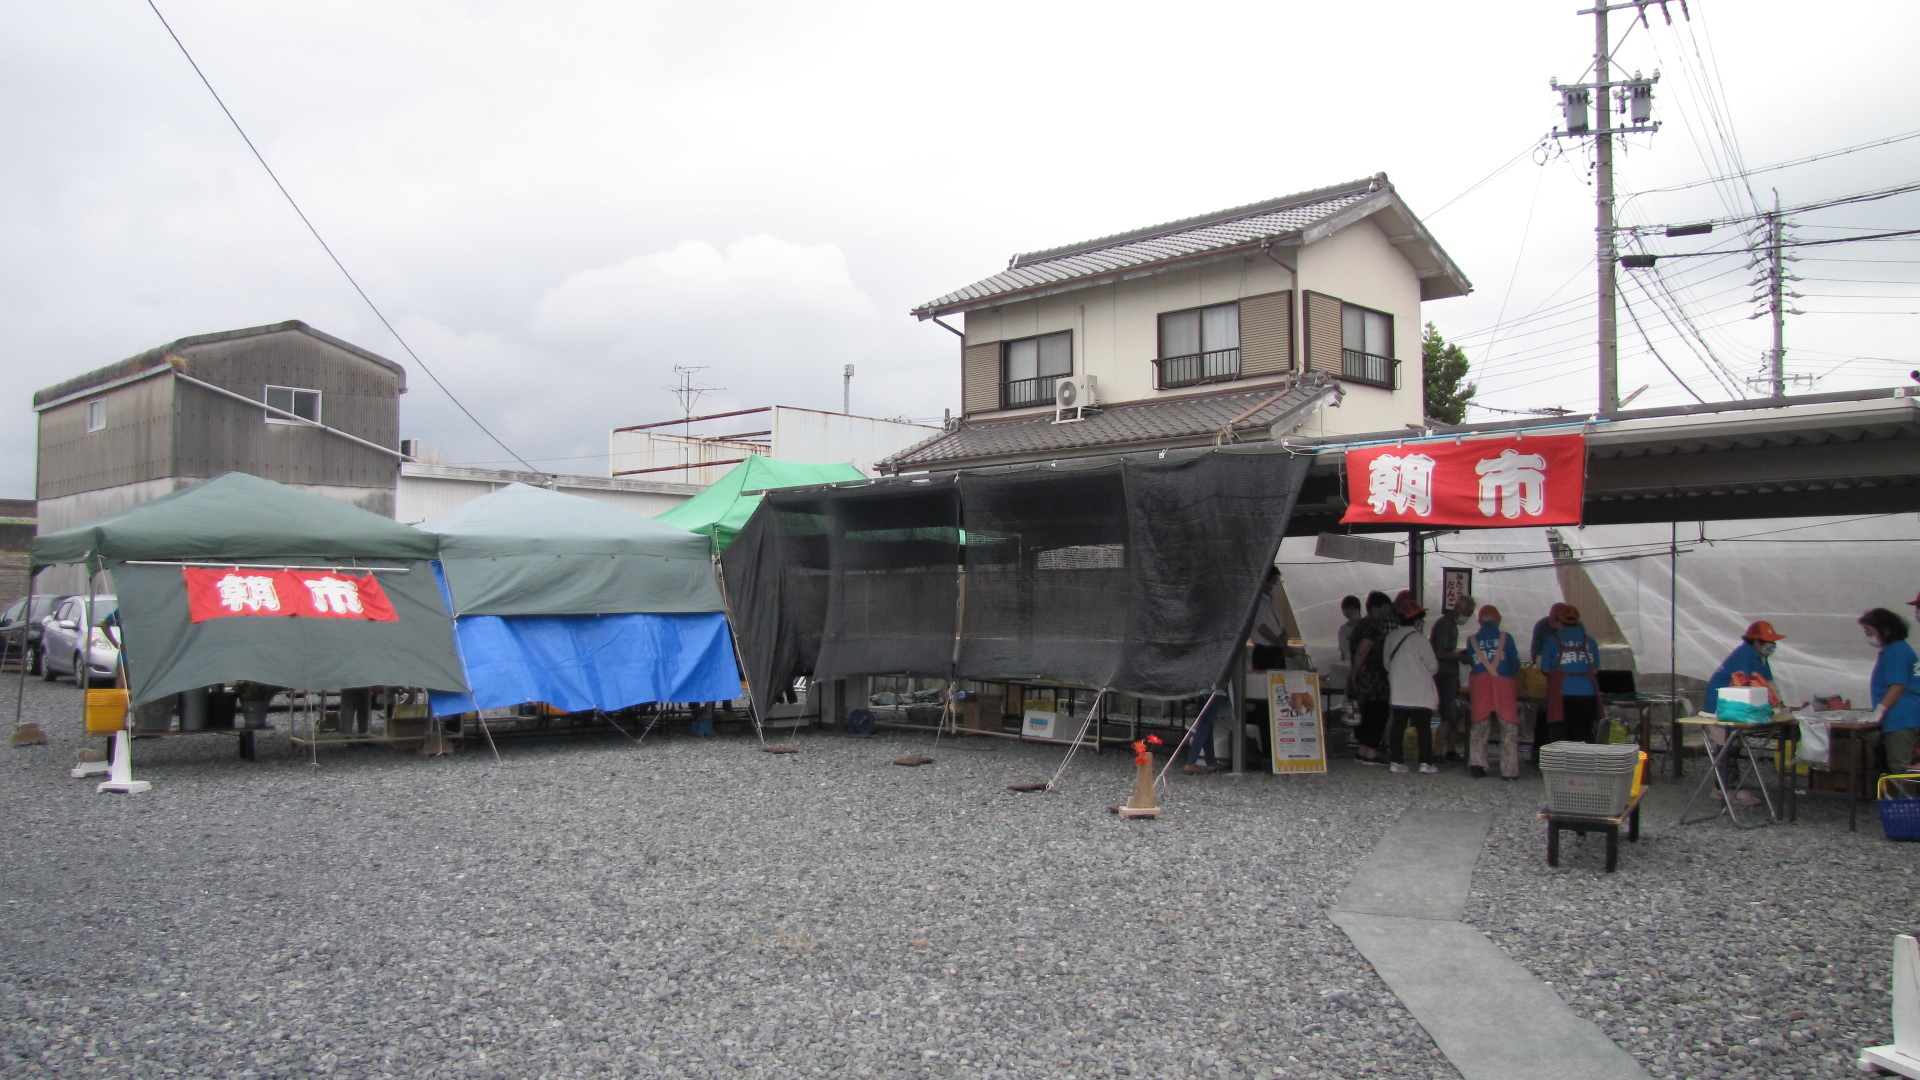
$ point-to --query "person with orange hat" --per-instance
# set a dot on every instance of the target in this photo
(1491, 692)
(1570, 658)
(1749, 658)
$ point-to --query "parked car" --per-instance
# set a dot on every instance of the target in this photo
(25, 614)
(61, 635)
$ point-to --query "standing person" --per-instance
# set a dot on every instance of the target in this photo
(1410, 668)
(1445, 639)
(1895, 686)
(1350, 610)
(1544, 629)
(1750, 657)
(1495, 706)
(1200, 742)
(1573, 698)
(1367, 685)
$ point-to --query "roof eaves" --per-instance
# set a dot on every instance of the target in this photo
(946, 306)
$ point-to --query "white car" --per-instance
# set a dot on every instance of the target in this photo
(61, 637)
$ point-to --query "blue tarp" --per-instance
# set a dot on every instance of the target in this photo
(582, 662)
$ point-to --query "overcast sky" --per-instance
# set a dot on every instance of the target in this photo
(558, 202)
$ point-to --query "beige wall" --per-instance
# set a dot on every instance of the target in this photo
(1116, 326)
(1357, 265)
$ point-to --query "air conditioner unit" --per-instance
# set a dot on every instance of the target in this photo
(1073, 396)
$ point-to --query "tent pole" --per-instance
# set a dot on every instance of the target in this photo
(21, 736)
(1077, 739)
(739, 660)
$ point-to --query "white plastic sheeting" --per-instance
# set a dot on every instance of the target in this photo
(1810, 577)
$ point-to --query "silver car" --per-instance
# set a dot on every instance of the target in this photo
(61, 636)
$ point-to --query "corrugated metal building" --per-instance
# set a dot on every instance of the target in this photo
(285, 402)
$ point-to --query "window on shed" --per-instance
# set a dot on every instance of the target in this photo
(97, 415)
(304, 404)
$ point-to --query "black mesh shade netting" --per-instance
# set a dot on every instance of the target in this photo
(1137, 575)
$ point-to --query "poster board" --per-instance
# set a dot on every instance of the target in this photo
(1299, 736)
(1455, 582)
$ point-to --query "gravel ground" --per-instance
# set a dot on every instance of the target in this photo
(696, 908)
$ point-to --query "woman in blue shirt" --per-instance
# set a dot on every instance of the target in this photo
(1895, 686)
(1748, 658)
(1573, 699)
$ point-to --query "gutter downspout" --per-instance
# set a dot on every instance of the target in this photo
(1296, 311)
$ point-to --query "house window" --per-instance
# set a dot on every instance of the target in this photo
(97, 415)
(1199, 346)
(1031, 367)
(304, 404)
(1366, 347)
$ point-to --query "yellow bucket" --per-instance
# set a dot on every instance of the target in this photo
(1639, 776)
(106, 711)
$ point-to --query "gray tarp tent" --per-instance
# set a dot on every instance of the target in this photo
(242, 520)
(527, 551)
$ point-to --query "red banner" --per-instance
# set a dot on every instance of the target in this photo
(255, 590)
(1478, 483)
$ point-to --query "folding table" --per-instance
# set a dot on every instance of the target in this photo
(1739, 738)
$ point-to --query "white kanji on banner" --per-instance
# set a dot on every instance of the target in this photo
(1513, 484)
(338, 595)
(1404, 483)
(252, 592)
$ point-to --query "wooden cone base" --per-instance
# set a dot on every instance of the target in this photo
(1143, 804)
(29, 734)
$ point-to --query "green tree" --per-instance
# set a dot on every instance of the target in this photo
(1446, 371)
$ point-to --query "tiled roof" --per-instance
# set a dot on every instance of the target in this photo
(1134, 423)
(1163, 243)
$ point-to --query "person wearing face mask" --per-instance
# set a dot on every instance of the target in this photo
(1895, 686)
(1748, 658)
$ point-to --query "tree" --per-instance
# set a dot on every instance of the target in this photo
(1446, 370)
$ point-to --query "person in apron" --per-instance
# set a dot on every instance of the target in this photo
(1493, 702)
(1570, 657)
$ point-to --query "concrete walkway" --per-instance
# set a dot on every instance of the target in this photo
(1490, 1016)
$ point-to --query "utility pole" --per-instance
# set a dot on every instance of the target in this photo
(1603, 227)
(1777, 297)
(846, 390)
(1606, 98)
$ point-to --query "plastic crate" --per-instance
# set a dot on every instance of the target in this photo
(1899, 817)
(1590, 794)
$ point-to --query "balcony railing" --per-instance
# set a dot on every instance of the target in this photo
(1022, 392)
(1217, 366)
(1368, 368)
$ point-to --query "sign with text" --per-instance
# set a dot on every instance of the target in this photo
(1478, 483)
(1299, 740)
(259, 590)
(1455, 582)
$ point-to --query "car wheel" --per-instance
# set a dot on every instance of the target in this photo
(80, 678)
(35, 665)
(46, 669)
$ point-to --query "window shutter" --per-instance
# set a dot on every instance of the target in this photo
(1266, 333)
(1323, 333)
(980, 378)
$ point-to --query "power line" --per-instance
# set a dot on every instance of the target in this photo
(324, 246)
(1888, 141)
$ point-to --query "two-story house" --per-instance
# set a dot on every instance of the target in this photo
(1238, 326)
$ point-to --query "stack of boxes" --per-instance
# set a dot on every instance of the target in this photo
(1593, 780)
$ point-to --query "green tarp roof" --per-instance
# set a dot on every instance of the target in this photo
(529, 551)
(722, 511)
(235, 516)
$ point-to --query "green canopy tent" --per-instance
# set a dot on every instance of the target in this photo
(528, 551)
(721, 511)
(238, 521)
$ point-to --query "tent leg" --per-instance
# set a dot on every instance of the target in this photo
(120, 778)
(1236, 706)
(25, 734)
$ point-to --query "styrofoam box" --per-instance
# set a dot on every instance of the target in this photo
(1745, 695)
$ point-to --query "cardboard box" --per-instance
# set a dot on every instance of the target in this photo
(981, 713)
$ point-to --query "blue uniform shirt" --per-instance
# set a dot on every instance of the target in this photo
(1569, 649)
(1496, 643)
(1745, 659)
(1898, 664)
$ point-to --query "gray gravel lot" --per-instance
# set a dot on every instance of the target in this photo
(696, 908)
